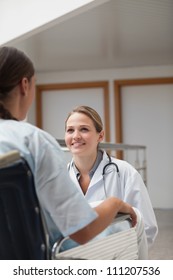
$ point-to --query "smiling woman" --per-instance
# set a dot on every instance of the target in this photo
(83, 133)
(82, 139)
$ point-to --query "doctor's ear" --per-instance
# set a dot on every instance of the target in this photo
(101, 136)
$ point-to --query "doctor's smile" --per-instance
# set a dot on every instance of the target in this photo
(77, 144)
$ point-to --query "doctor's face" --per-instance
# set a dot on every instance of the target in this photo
(81, 136)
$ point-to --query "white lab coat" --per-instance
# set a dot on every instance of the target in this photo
(129, 187)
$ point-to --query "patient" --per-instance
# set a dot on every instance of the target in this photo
(83, 133)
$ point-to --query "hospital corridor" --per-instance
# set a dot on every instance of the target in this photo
(163, 246)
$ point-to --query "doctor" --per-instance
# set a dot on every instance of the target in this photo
(97, 175)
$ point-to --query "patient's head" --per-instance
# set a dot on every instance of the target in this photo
(16, 80)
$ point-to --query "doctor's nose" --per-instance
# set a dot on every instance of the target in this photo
(76, 135)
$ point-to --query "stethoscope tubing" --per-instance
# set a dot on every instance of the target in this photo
(104, 173)
(108, 164)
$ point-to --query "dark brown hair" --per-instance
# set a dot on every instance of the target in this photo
(14, 66)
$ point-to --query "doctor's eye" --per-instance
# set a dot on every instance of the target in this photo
(84, 129)
(69, 130)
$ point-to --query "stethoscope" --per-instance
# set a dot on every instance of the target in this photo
(104, 172)
(110, 163)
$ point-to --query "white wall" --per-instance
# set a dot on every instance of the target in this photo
(56, 100)
(154, 132)
(147, 119)
(20, 18)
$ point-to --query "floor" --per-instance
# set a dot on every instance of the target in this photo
(163, 246)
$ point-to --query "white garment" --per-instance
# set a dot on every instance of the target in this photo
(121, 226)
(128, 186)
(118, 227)
(66, 210)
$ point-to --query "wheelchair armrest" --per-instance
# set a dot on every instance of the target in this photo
(9, 158)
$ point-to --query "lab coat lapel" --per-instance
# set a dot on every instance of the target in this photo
(73, 176)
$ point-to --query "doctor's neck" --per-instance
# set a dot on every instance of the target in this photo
(85, 163)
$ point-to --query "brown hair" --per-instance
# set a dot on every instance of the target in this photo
(14, 66)
(91, 113)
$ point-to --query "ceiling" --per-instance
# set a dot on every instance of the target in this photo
(118, 33)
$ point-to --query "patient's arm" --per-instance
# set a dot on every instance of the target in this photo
(106, 211)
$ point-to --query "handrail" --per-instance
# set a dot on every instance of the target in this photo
(112, 146)
(141, 167)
